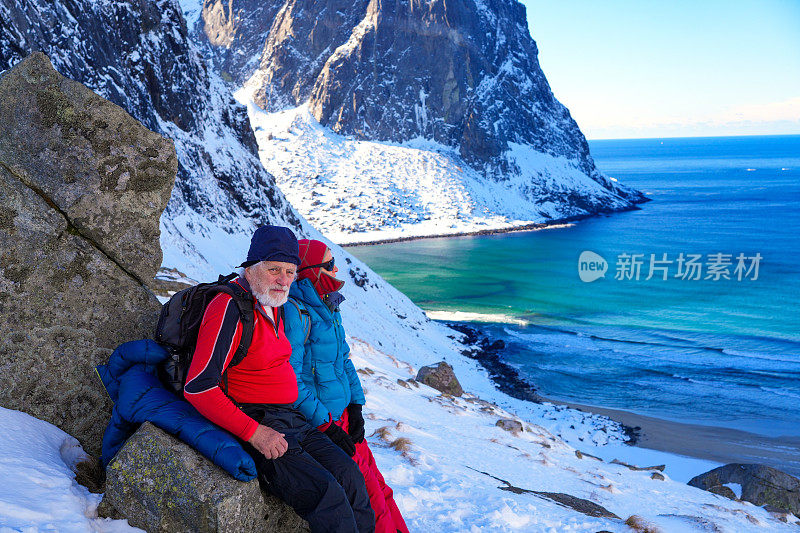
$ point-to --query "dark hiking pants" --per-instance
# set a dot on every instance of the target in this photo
(315, 477)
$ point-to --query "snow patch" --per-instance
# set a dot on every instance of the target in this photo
(39, 491)
(736, 488)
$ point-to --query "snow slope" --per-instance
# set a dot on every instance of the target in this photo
(360, 191)
(442, 456)
(222, 194)
(450, 467)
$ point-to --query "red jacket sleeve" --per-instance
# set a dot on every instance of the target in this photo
(217, 340)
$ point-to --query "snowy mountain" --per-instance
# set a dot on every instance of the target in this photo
(457, 79)
(445, 457)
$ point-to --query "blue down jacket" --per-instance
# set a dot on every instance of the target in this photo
(326, 378)
(131, 379)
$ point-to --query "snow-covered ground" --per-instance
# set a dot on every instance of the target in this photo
(436, 471)
(360, 191)
(38, 491)
(450, 467)
(447, 467)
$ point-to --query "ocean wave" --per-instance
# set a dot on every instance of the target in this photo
(679, 341)
(782, 375)
(607, 338)
(465, 316)
(760, 355)
(782, 392)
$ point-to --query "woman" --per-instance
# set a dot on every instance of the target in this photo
(330, 393)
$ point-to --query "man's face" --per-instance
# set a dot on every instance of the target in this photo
(270, 281)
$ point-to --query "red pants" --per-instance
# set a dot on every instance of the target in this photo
(387, 516)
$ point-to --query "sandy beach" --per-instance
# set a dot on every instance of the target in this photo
(718, 444)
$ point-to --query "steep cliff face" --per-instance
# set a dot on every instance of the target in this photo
(233, 33)
(461, 73)
(139, 56)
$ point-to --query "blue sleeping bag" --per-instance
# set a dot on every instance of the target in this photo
(131, 379)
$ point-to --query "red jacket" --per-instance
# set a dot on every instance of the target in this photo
(263, 376)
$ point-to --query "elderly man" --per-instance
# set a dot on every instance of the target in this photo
(295, 461)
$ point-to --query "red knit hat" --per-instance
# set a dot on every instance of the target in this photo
(311, 253)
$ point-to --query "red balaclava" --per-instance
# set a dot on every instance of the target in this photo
(311, 253)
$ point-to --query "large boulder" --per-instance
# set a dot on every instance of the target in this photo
(161, 484)
(761, 485)
(83, 187)
(440, 377)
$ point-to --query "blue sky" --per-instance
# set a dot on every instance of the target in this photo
(676, 68)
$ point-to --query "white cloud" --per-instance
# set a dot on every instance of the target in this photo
(787, 110)
(771, 118)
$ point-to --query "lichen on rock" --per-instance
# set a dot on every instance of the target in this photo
(77, 253)
(161, 484)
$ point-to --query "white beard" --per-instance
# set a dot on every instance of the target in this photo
(268, 300)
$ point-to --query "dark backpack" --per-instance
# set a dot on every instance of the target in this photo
(179, 324)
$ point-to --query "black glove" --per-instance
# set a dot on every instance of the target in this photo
(341, 439)
(356, 422)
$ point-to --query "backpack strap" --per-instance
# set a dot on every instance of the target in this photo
(305, 316)
(244, 301)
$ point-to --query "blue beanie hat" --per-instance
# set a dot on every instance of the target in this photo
(273, 243)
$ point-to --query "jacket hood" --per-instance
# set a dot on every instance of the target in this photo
(311, 253)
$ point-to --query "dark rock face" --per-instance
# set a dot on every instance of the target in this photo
(139, 56)
(464, 73)
(440, 377)
(160, 484)
(299, 45)
(488, 353)
(83, 187)
(761, 485)
(587, 507)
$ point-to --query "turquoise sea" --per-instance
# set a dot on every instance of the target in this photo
(711, 351)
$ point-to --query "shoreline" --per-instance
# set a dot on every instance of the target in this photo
(535, 226)
(712, 443)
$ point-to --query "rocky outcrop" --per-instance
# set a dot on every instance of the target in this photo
(580, 505)
(489, 353)
(161, 484)
(440, 377)
(635, 468)
(139, 56)
(761, 485)
(723, 490)
(83, 186)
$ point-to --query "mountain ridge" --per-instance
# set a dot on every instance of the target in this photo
(463, 74)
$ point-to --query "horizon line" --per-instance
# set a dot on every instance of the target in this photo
(693, 137)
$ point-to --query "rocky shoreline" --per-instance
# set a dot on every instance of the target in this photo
(506, 378)
(717, 444)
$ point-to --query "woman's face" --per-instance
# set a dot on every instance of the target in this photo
(325, 258)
